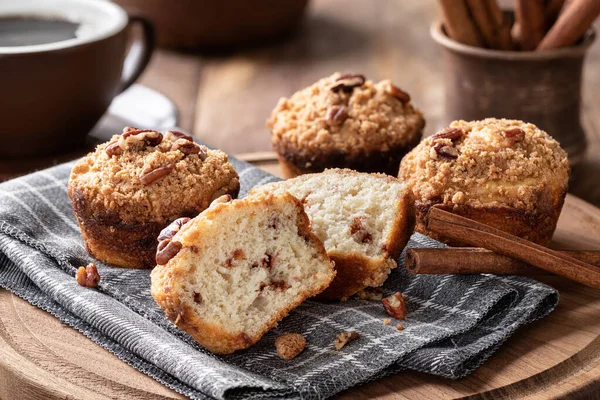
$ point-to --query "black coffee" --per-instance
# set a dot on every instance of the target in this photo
(27, 31)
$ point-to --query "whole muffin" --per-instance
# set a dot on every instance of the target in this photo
(505, 173)
(130, 188)
(345, 121)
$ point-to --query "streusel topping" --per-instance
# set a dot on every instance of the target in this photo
(493, 161)
(329, 117)
(145, 176)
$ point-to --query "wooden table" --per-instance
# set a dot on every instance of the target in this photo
(225, 99)
(40, 358)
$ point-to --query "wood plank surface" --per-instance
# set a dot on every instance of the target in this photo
(552, 358)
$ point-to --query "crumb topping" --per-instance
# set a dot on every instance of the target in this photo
(143, 179)
(492, 161)
(329, 118)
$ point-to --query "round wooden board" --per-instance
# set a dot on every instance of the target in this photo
(40, 358)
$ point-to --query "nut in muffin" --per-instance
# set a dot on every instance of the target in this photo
(130, 188)
(505, 173)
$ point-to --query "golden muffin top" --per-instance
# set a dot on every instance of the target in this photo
(145, 176)
(492, 161)
(345, 114)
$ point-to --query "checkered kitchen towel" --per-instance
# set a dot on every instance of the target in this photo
(454, 323)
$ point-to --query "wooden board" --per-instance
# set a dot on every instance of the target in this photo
(40, 358)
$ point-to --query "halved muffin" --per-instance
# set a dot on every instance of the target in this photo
(130, 188)
(364, 221)
(505, 173)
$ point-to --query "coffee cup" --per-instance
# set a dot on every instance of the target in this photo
(61, 65)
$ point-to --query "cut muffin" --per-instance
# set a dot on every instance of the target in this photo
(130, 188)
(345, 121)
(364, 221)
(229, 275)
(504, 173)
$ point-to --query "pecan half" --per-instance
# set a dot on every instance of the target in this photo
(398, 93)
(290, 345)
(129, 131)
(113, 149)
(336, 115)
(445, 151)
(395, 305)
(452, 134)
(151, 176)
(166, 250)
(344, 338)
(172, 229)
(348, 82)
(186, 147)
(181, 135)
(515, 134)
(88, 276)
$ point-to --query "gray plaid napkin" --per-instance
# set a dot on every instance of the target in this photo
(454, 324)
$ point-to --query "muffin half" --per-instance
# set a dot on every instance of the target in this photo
(130, 188)
(345, 121)
(505, 173)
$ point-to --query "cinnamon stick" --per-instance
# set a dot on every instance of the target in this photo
(458, 23)
(551, 12)
(473, 260)
(529, 15)
(492, 23)
(477, 234)
(575, 19)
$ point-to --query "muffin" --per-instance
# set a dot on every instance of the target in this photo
(505, 173)
(130, 188)
(345, 121)
(364, 221)
(229, 275)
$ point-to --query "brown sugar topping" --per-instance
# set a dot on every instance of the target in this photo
(373, 118)
(497, 161)
(139, 179)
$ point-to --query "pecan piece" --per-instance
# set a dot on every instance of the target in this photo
(445, 151)
(359, 232)
(172, 229)
(336, 115)
(186, 147)
(452, 134)
(181, 135)
(395, 305)
(88, 276)
(113, 149)
(290, 345)
(515, 134)
(398, 93)
(344, 338)
(150, 176)
(129, 131)
(166, 250)
(348, 82)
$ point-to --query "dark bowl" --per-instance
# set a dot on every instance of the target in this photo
(218, 24)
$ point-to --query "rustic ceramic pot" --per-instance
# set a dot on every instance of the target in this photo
(54, 93)
(543, 88)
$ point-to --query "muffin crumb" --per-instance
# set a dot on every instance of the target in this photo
(344, 338)
(290, 345)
